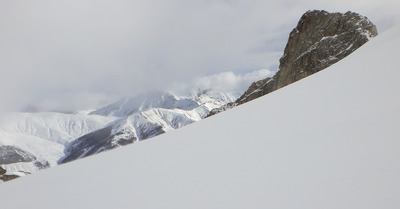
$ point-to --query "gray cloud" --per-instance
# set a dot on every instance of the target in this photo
(97, 49)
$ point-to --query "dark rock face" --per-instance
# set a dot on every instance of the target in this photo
(4, 177)
(221, 109)
(2, 171)
(93, 143)
(105, 139)
(8, 177)
(11, 154)
(319, 40)
(42, 164)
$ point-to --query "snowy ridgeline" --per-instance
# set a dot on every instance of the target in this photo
(33, 141)
(328, 141)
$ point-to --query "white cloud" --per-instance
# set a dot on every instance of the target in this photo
(226, 82)
(51, 50)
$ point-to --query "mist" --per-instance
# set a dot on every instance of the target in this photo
(72, 55)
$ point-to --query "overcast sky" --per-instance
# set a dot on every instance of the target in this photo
(72, 53)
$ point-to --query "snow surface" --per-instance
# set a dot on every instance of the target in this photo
(52, 126)
(45, 134)
(330, 140)
(48, 135)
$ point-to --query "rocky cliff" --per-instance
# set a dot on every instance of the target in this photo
(319, 40)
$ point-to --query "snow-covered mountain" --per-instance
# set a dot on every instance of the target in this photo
(33, 141)
(144, 117)
(131, 105)
(202, 100)
(330, 140)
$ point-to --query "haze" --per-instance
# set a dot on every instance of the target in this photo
(75, 54)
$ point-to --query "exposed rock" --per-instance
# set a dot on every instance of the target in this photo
(319, 40)
(2, 171)
(8, 177)
(222, 108)
(11, 154)
(42, 164)
(93, 143)
(4, 177)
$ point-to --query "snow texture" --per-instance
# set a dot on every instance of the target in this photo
(52, 137)
(44, 135)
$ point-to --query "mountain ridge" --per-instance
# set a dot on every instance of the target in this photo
(319, 40)
(51, 138)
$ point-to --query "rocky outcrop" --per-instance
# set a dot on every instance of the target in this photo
(8, 177)
(4, 177)
(319, 40)
(92, 143)
(11, 154)
(14, 155)
(2, 171)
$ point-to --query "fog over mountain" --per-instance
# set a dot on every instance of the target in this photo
(74, 54)
(33, 140)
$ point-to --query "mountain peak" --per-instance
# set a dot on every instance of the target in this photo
(157, 99)
(319, 40)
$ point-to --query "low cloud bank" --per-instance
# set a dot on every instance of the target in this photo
(229, 82)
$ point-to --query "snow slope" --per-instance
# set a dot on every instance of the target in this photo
(143, 117)
(33, 141)
(45, 135)
(330, 140)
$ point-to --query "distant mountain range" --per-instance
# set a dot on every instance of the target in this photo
(37, 140)
(144, 117)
